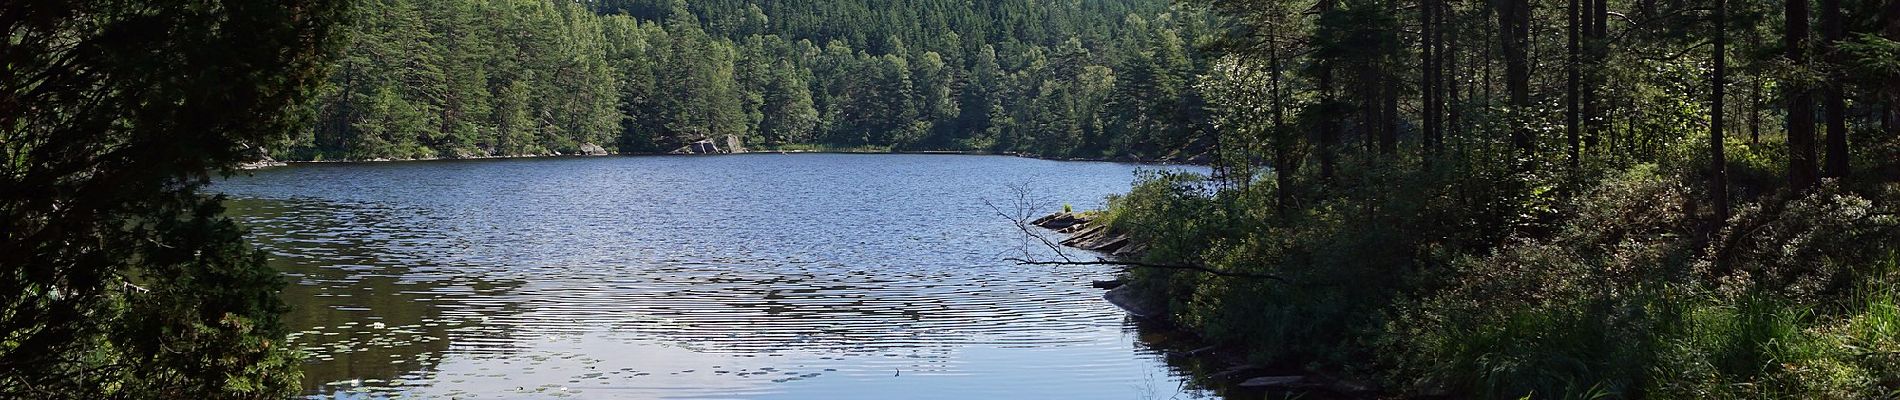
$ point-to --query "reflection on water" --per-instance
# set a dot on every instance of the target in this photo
(763, 276)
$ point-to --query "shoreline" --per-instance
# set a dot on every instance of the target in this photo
(272, 163)
(1231, 371)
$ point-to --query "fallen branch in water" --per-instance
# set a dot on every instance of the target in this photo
(1021, 219)
(1134, 264)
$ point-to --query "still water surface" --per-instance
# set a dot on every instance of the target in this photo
(758, 276)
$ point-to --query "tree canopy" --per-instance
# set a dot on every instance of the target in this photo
(465, 78)
(117, 277)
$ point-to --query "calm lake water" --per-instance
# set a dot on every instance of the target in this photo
(814, 276)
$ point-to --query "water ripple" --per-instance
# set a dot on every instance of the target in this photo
(767, 276)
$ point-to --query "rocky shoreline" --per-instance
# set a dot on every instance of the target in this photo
(1225, 369)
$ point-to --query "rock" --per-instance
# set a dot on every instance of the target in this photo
(1108, 284)
(590, 149)
(1125, 298)
(1083, 234)
(699, 147)
(1097, 238)
(734, 145)
(1059, 221)
(1131, 251)
(1276, 382)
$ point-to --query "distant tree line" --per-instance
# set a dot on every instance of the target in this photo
(476, 78)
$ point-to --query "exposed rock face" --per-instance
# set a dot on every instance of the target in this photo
(700, 147)
(259, 159)
(734, 145)
(1084, 233)
(590, 149)
(1059, 221)
(1087, 235)
(1097, 237)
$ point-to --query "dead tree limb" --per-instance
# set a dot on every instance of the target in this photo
(1021, 219)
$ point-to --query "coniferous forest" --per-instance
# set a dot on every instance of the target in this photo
(459, 79)
(1407, 198)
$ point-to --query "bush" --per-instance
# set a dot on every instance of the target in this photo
(1491, 283)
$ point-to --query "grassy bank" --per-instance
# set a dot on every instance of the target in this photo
(1472, 279)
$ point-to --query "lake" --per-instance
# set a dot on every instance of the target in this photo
(763, 276)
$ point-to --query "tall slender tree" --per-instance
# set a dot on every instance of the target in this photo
(1718, 168)
(1801, 163)
(1514, 41)
(1834, 101)
(1573, 82)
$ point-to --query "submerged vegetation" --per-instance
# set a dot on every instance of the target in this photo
(1585, 226)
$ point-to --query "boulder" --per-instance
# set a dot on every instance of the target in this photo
(699, 147)
(590, 149)
(734, 145)
(1135, 305)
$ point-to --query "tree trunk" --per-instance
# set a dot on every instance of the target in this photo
(1801, 162)
(1718, 187)
(1596, 46)
(1389, 118)
(1835, 165)
(1890, 28)
(1282, 141)
(1448, 97)
(1754, 109)
(1328, 127)
(1514, 36)
(1572, 85)
(1428, 79)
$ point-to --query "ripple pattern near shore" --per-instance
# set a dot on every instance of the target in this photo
(767, 276)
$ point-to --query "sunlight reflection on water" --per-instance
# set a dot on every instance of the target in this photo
(758, 276)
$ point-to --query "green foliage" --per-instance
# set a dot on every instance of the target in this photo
(464, 78)
(1447, 214)
(1616, 291)
(118, 278)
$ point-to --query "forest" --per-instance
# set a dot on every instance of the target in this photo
(1544, 198)
(1424, 198)
(464, 78)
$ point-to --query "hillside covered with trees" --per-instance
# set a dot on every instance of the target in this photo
(468, 78)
